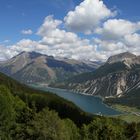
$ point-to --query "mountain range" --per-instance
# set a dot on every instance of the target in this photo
(33, 67)
(117, 80)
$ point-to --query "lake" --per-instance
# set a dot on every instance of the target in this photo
(90, 104)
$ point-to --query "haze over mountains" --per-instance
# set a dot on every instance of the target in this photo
(33, 67)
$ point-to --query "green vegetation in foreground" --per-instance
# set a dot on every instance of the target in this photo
(28, 114)
(18, 121)
(42, 99)
(131, 114)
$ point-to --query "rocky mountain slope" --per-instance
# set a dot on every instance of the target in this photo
(32, 67)
(118, 76)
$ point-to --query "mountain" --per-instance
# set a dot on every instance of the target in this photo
(126, 56)
(118, 77)
(33, 67)
(131, 97)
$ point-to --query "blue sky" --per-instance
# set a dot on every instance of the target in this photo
(17, 16)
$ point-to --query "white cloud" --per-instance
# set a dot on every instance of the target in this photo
(62, 43)
(86, 16)
(113, 35)
(117, 28)
(5, 53)
(118, 35)
(48, 25)
(56, 42)
(24, 45)
(106, 45)
(129, 43)
(27, 32)
(12, 50)
(59, 42)
(132, 40)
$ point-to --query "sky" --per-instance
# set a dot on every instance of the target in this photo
(77, 29)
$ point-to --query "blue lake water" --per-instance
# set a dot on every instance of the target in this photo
(89, 104)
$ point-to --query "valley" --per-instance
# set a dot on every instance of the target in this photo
(95, 105)
(90, 104)
(69, 70)
(131, 114)
(118, 79)
(115, 81)
(37, 104)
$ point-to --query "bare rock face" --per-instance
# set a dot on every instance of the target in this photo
(33, 67)
(127, 58)
(121, 57)
(112, 85)
(118, 75)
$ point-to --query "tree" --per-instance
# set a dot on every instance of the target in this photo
(73, 130)
(48, 126)
(7, 113)
(103, 129)
(131, 131)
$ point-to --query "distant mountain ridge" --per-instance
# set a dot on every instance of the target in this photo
(121, 57)
(116, 78)
(127, 58)
(33, 67)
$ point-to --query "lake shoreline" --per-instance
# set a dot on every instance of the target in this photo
(96, 96)
(84, 101)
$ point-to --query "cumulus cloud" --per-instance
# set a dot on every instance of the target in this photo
(117, 28)
(110, 46)
(117, 36)
(132, 40)
(113, 35)
(129, 43)
(57, 42)
(12, 50)
(27, 32)
(86, 16)
(24, 45)
(5, 53)
(49, 24)
(62, 43)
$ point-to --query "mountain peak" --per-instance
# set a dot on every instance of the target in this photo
(26, 52)
(34, 67)
(33, 54)
(126, 56)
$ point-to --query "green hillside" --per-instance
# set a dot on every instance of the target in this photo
(43, 99)
(100, 72)
(29, 114)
